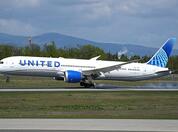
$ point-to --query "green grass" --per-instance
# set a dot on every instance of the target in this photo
(33, 82)
(139, 105)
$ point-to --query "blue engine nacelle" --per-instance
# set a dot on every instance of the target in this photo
(72, 76)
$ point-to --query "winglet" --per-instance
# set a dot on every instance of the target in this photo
(95, 58)
(161, 57)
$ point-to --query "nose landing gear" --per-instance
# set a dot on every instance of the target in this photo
(7, 79)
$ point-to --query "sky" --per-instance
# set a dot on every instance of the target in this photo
(143, 22)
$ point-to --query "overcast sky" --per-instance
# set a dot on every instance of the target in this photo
(143, 22)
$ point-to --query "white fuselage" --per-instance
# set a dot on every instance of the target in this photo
(55, 67)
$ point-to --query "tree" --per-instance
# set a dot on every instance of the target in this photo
(50, 50)
(145, 59)
(173, 63)
(32, 50)
(123, 58)
(111, 57)
(89, 51)
(6, 51)
(135, 57)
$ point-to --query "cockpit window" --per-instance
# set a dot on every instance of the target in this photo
(1, 62)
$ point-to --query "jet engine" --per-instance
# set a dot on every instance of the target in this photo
(72, 76)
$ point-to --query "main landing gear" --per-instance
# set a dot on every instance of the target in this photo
(87, 83)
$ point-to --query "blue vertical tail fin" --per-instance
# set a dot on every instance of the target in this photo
(161, 57)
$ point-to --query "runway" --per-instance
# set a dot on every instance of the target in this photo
(82, 90)
(164, 86)
(89, 124)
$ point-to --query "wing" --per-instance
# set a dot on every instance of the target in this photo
(98, 71)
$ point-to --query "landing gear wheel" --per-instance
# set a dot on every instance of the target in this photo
(87, 85)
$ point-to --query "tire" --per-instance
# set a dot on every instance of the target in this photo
(87, 85)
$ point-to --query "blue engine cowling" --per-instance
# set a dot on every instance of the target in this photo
(72, 76)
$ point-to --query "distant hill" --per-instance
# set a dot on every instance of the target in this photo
(69, 41)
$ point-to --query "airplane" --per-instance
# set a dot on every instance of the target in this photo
(86, 71)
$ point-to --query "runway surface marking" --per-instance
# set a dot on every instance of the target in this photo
(89, 124)
(63, 90)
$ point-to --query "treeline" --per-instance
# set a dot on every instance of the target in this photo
(82, 52)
